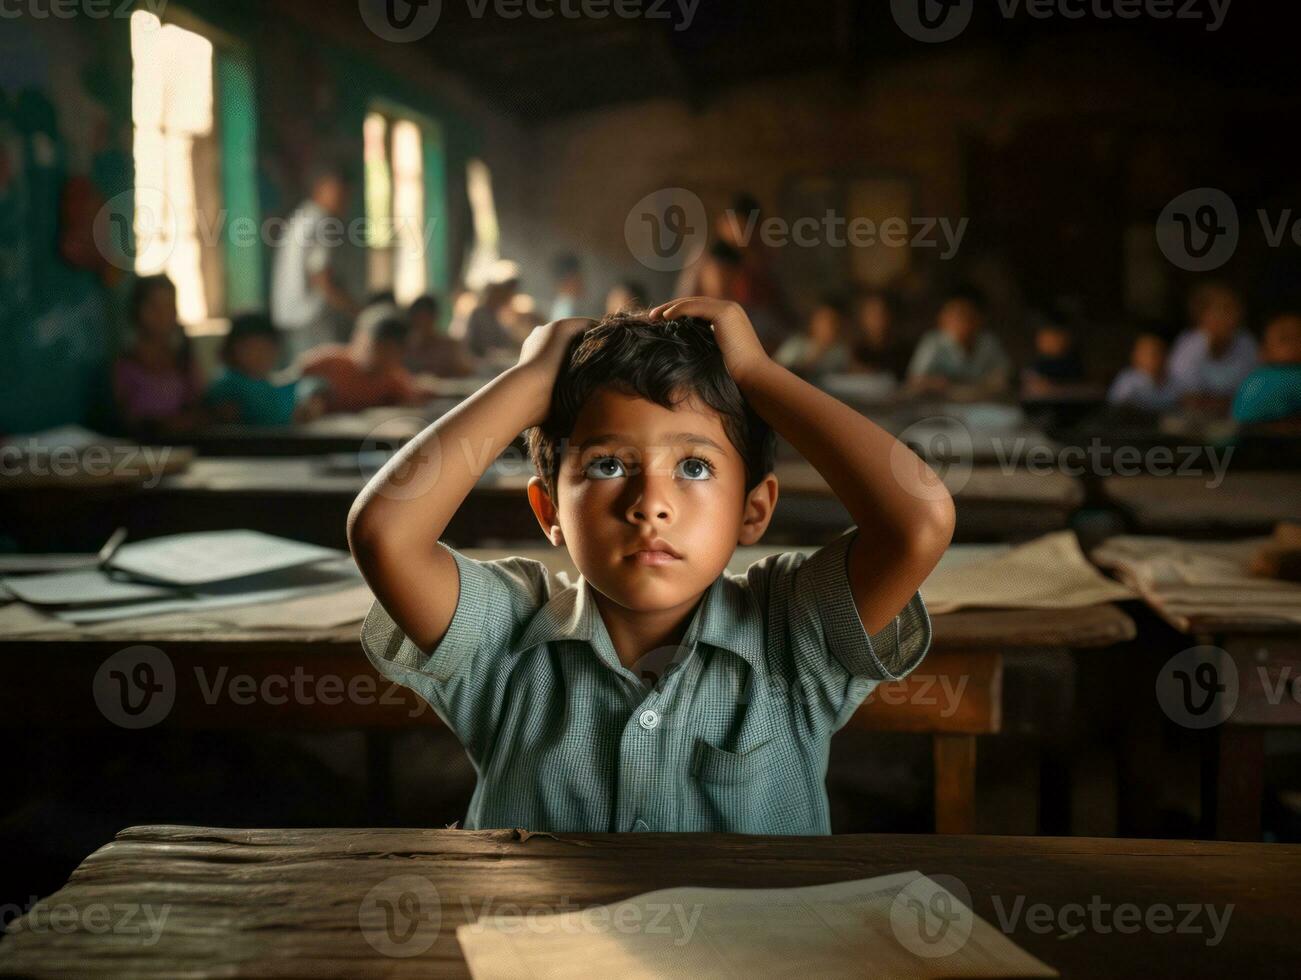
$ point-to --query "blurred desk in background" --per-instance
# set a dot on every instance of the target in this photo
(1199, 506)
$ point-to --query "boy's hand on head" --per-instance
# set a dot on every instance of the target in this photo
(543, 353)
(742, 351)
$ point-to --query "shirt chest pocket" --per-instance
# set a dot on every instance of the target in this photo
(759, 791)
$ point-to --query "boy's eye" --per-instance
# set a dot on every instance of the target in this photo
(605, 468)
(695, 468)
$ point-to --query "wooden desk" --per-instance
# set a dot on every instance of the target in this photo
(288, 902)
(308, 498)
(1245, 503)
(321, 680)
(375, 428)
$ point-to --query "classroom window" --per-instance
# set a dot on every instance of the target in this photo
(177, 170)
(395, 205)
(483, 213)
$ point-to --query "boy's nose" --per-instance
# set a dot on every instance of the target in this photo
(650, 498)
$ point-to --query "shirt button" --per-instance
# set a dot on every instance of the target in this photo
(648, 719)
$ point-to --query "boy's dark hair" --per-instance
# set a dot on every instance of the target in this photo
(391, 330)
(424, 304)
(245, 326)
(665, 363)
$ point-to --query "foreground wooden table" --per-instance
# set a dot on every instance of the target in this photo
(289, 902)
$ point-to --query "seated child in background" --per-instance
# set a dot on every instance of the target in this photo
(1144, 383)
(822, 347)
(429, 350)
(874, 347)
(244, 392)
(380, 378)
(960, 358)
(1057, 364)
(155, 382)
(379, 307)
(1272, 393)
(1210, 360)
(658, 692)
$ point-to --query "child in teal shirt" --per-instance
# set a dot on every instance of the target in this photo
(244, 392)
(1272, 393)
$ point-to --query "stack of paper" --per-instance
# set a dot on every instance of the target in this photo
(188, 573)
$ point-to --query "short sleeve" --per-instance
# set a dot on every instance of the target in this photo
(810, 609)
(924, 357)
(460, 677)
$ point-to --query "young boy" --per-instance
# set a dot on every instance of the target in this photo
(244, 392)
(658, 693)
(378, 377)
(1272, 393)
(1144, 384)
(961, 358)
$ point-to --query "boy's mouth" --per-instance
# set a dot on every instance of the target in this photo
(655, 552)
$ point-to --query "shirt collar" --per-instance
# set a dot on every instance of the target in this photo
(727, 617)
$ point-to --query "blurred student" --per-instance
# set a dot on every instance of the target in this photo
(308, 300)
(1057, 364)
(1144, 384)
(244, 392)
(874, 346)
(380, 378)
(379, 307)
(961, 357)
(1209, 361)
(429, 350)
(155, 382)
(568, 273)
(488, 328)
(626, 297)
(822, 347)
(1272, 392)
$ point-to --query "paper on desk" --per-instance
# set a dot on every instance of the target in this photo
(1050, 572)
(215, 556)
(312, 580)
(82, 587)
(898, 926)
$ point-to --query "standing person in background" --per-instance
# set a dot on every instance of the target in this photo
(155, 382)
(431, 351)
(751, 280)
(1210, 360)
(961, 358)
(626, 297)
(568, 273)
(488, 329)
(309, 303)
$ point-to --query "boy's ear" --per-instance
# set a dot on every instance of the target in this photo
(544, 509)
(759, 506)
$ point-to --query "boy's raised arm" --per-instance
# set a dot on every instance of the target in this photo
(398, 519)
(904, 514)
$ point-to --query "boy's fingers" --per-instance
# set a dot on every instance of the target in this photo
(698, 307)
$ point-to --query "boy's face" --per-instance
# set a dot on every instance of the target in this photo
(1149, 355)
(961, 320)
(1052, 342)
(635, 473)
(1282, 343)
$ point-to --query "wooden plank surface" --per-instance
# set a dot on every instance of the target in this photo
(297, 903)
(1244, 503)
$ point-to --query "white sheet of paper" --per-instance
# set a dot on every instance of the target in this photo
(897, 926)
(277, 587)
(79, 588)
(215, 556)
